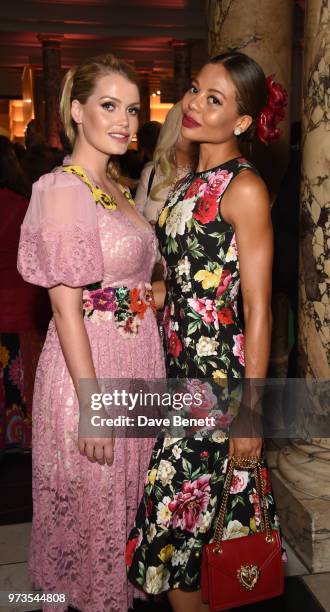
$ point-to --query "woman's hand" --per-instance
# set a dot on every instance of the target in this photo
(97, 449)
(245, 447)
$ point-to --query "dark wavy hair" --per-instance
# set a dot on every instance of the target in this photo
(11, 174)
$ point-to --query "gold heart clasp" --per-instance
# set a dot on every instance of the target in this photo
(248, 576)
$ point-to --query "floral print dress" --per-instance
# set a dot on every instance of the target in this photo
(204, 339)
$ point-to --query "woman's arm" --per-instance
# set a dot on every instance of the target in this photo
(141, 195)
(247, 208)
(159, 291)
(66, 304)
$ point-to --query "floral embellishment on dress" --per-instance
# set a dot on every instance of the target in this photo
(126, 306)
(101, 197)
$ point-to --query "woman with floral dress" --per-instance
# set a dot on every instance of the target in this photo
(216, 237)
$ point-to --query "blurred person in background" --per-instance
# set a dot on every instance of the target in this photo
(147, 136)
(130, 166)
(24, 310)
(174, 158)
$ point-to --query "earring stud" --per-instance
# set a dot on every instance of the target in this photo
(237, 131)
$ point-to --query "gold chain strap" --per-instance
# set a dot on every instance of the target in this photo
(242, 463)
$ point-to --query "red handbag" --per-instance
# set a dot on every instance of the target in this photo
(242, 570)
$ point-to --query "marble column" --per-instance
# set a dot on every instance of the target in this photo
(182, 67)
(302, 481)
(51, 56)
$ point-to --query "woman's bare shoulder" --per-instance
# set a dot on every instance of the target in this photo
(246, 195)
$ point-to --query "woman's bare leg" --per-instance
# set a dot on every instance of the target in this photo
(182, 601)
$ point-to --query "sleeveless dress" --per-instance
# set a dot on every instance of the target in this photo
(82, 511)
(205, 341)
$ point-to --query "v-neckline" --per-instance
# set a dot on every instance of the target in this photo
(116, 208)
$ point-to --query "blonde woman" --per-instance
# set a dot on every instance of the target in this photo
(85, 242)
(174, 157)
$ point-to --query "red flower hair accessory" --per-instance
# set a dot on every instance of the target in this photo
(273, 112)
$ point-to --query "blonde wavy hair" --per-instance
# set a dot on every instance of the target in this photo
(164, 156)
(79, 83)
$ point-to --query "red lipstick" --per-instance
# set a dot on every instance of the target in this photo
(189, 122)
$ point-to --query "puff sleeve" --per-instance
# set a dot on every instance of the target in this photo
(59, 241)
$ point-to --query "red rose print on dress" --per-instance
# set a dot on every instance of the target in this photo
(130, 550)
(174, 344)
(238, 349)
(225, 316)
(196, 188)
(188, 505)
(206, 209)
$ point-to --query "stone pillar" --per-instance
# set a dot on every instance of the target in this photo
(144, 114)
(51, 56)
(302, 481)
(182, 67)
(263, 30)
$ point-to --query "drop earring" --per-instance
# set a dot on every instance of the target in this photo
(237, 131)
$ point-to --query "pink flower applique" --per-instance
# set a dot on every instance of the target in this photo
(129, 327)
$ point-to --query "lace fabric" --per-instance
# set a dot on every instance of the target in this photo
(83, 512)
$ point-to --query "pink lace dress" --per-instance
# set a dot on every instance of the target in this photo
(83, 512)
